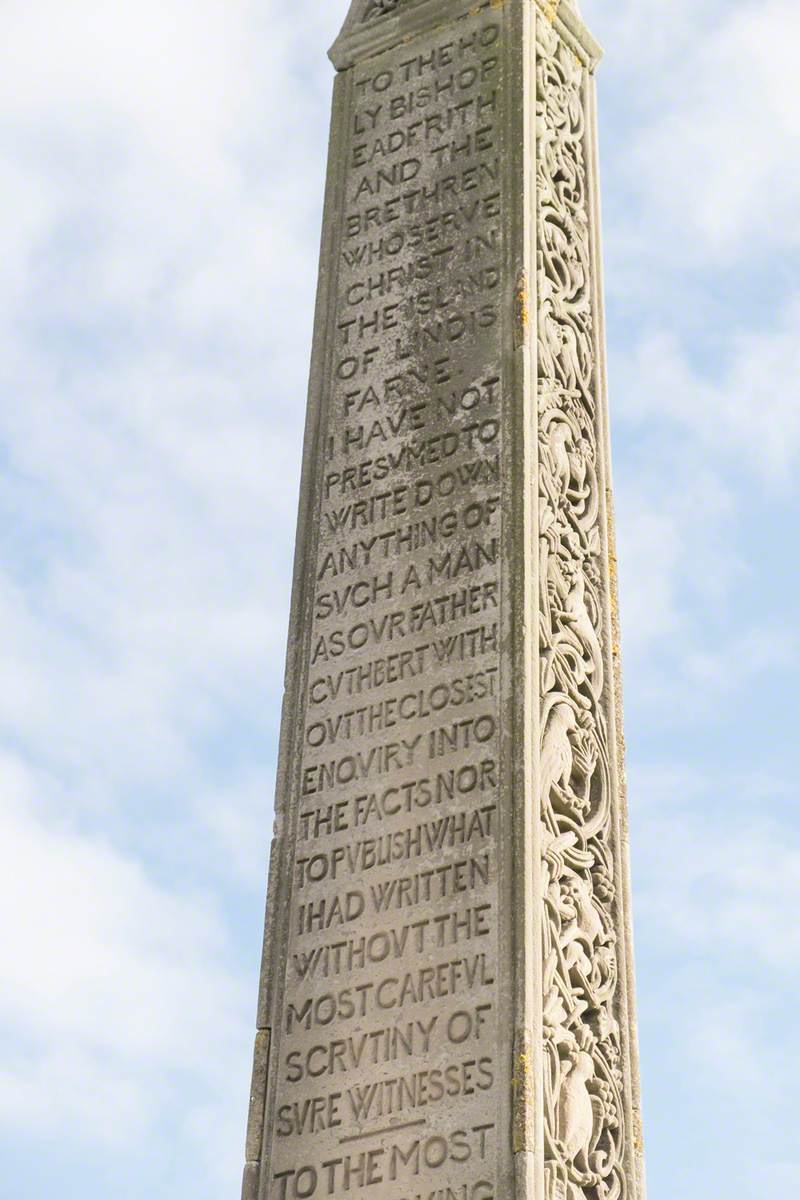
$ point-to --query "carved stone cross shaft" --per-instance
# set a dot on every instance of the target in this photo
(446, 1006)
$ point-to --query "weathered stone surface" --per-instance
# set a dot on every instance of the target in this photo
(446, 1006)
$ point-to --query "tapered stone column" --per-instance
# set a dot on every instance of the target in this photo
(446, 1007)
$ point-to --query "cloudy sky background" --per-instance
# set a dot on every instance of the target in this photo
(161, 171)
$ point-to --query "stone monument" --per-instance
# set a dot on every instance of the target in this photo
(446, 1008)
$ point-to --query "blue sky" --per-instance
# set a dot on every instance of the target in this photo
(161, 171)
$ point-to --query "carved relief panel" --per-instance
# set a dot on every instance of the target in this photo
(584, 1079)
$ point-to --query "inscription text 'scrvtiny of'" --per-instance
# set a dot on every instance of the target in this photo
(446, 1008)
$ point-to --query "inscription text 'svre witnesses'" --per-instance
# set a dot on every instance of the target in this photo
(446, 1009)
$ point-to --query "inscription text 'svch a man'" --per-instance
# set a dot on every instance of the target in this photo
(446, 1008)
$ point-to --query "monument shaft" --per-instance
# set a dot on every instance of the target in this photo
(446, 1003)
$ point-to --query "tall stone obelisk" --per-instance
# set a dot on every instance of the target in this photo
(447, 1007)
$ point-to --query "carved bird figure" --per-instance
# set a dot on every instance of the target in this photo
(575, 1112)
(556, 760)
(560, 440)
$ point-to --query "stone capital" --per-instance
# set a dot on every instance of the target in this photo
(374, 26)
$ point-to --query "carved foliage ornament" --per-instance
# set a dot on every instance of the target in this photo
(584, 1114)
(381, 8)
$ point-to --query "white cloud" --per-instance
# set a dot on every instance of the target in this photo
(734, 663)
(715, 164)
(239, 820)
(116, 986)
(716, 871)
(160, 174)
(747, 413)
(709, 158)
(156, 295)
(703, 450)
(710, 874)
(142, 361)
(672, 514)
(98, 950)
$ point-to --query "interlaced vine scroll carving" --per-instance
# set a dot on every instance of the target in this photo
(583, 1082)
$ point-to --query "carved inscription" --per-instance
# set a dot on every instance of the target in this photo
(388, 1079)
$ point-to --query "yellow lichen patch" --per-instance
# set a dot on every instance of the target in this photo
(523, 307)
(523, 1094)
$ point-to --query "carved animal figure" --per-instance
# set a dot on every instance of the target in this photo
(575, 1112)
(583, 489)
(557, 760)
(582, 929)
(548, 339)
(577, 614)
(560, 442)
